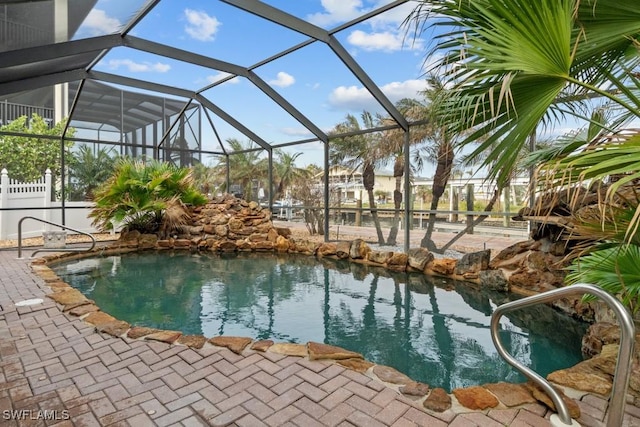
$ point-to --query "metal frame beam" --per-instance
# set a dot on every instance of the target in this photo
(183, 55)
(291, 22)
(204, 61)
(140, 84)
(141, 14)
(279, 17)
(232, 121)
(31, 83)
(51, 51)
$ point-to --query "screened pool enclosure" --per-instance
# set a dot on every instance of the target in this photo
(128, 85)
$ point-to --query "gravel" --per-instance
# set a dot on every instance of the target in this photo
(449, 253)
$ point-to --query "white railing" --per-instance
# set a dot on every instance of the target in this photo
(20, 199)
(10, 111)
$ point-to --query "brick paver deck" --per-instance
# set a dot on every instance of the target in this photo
(56, 366)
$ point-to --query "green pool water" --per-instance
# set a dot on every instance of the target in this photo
(434, 330)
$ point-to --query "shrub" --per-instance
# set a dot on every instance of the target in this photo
(149, 197)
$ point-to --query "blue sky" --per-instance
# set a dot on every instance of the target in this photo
(312, 79)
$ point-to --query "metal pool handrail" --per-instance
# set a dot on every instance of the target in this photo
(625, 352)
(93, 239)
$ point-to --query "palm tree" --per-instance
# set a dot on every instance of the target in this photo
(246, 164)
(441, 149)
(287, 172)
(88, 169)
(359, 151)
(392, 145)
(206, 178)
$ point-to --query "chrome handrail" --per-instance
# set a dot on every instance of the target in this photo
(93, 239)
(625, 352)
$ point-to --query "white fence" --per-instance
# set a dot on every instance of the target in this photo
(20, 199)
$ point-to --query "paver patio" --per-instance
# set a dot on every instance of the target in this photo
(56, 366)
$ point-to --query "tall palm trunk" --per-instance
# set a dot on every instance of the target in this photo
(398, 172)
(440, 180)
(368, 181)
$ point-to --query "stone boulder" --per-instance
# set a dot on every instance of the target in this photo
(359, 249)
(326, 249)
(305, 247)
(319, 351)
(511, 394)
(282, 244)
(380, 257)
(473, 262)
(419, 258)
(598, 335)
(475, 398)
(343, 249)
(594, 375)
(511, 256)
(442, 266)
(543, 397)
(415, 388)
(224, 224)
(390, 375)
(494, 280)
(398, 262)
(438, 400)
(283, 231)
(235, 344)
(129, 238)
(263, 246)
(147, 241)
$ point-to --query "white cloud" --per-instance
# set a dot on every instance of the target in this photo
(406, 89)
(358, 98)
(99, 23)
(283, 80)
(385, 41)
(392, 18)
(200, 25)
(336, 11)
(386, 35)
(222, 75)
(340, 11)
(138, 67)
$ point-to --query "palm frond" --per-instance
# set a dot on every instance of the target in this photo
(616, 270)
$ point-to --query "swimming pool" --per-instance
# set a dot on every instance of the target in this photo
(432, 329)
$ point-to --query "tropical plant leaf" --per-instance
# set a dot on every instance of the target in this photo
(616, 270)
(138, 194)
